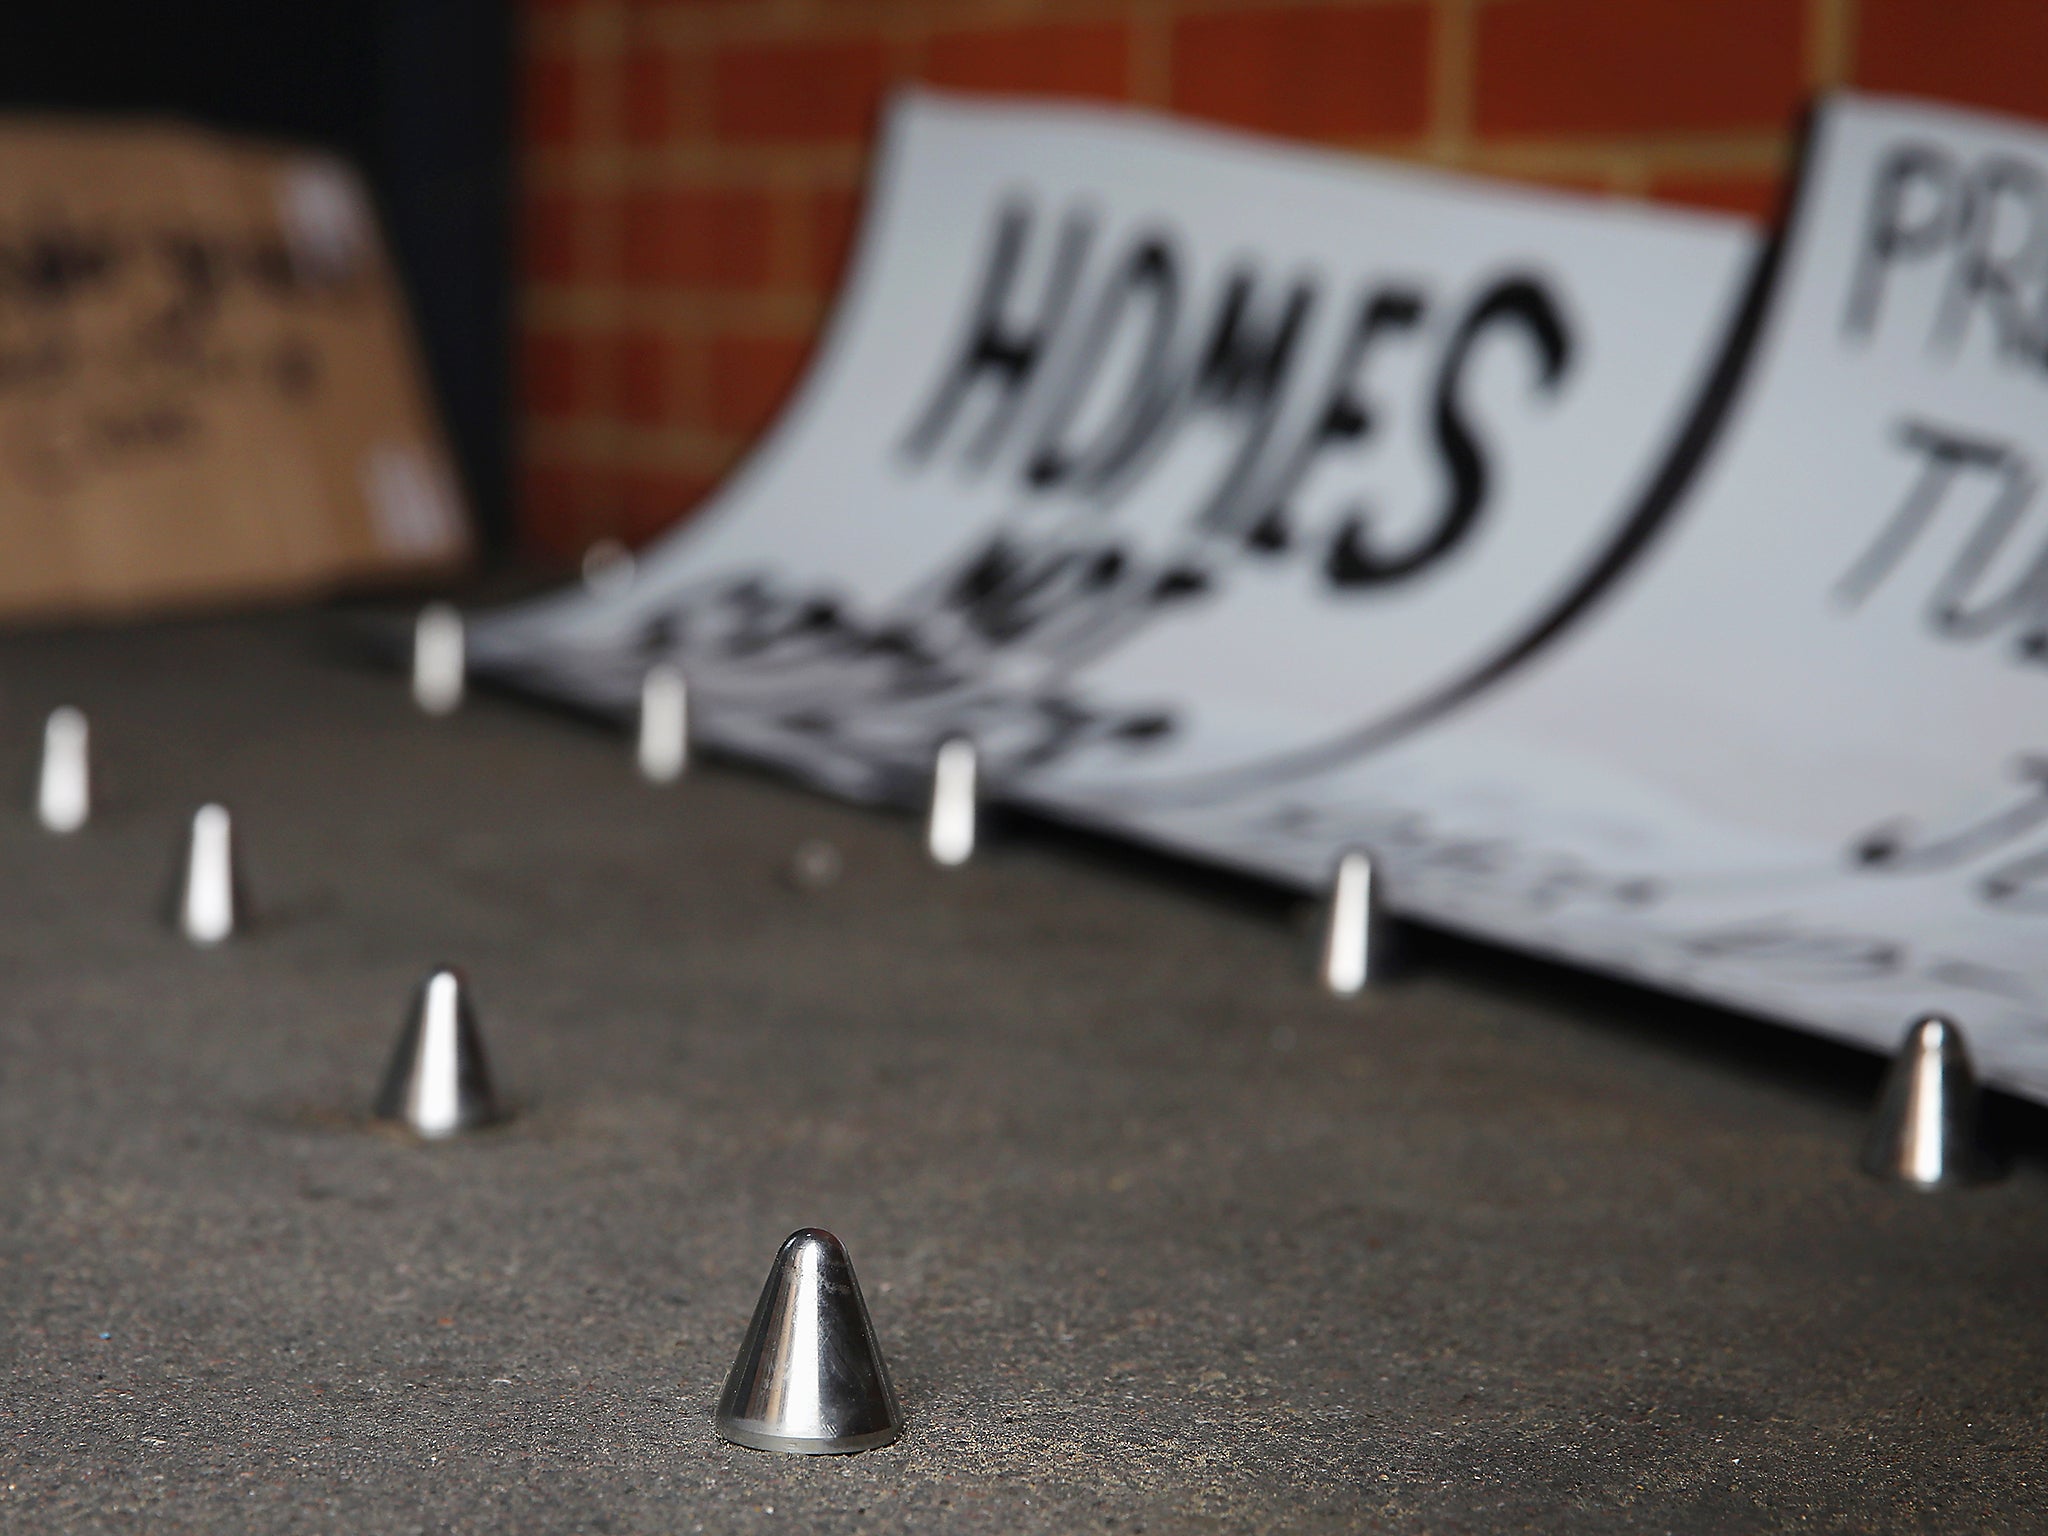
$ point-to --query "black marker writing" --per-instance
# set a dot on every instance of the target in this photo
(1979, 229)
(1958, 469)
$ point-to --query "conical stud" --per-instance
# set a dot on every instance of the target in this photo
(1927, 1131)
(64, 784)
(439, 667)
(438, 1083)
(949, 825)
(809, 1379)
(208, 901)
(1355, 931)
(663, 751)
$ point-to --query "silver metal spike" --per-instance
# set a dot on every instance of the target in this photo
(438, 1083)
(1927, 1131)
(64, 786)
(949, 827)
(439, 667)
(1355, 930)
(809, 1379)
(664, 746)
(208, 900)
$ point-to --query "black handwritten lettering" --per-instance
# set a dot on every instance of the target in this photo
(1984, 277)
(1958, 607)
(1242, 371)
(997, 350)
(1149, 278)
(1042, 359)
(2021, 886)
(56, 261)
(1893, 232)
(1518, 301)
(1785, 946)
(1952, 610)
(1008, 590)
(1947, 454)
(1344, 416)
(1893, 849)
(1979, 229)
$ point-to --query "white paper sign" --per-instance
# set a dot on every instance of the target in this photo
(1258, 503)
(1107, 396)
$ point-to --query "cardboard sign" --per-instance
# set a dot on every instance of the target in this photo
(207, 388)
(1638, 599)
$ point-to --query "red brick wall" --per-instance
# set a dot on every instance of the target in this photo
(691, 167)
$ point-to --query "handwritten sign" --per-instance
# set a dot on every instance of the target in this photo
(1105, 393)
(1642, 597)
(206, 386)
(1799, 763)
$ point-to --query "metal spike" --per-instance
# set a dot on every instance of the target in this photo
(809, 1379)
(438, 1083)
(64, 786)
(1354, 935)
(208, 900)
(1927, 1130)
(439, 667)
(949, 825)
(664, 747)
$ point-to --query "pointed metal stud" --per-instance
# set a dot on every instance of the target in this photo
(64, 784)
(809, 1379)
(1927, 1131)
(949, 826)
(208, 900)
(1355, 930)
(439, 667)
(438, 1083)
(663, 751)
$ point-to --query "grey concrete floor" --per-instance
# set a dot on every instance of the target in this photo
(1157, 1238)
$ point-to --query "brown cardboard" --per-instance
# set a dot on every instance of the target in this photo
(208, 389)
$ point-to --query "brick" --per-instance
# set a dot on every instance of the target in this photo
(556, 102)
(750, 378)
(1079, 60)
(1585, 184)
(697, 238)
(834, 215)
(554, 241)
(546, 514)
(1316, 72)
(652, 90)
(796, 92)
(547, 374)
(653, 501)
(563, 509)
(564, 375)
(1986, 53)
(1638, 66)
(1755, 197)
(647, 384)
(662, 379)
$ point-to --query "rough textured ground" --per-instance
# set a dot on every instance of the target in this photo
(1157, 1238)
